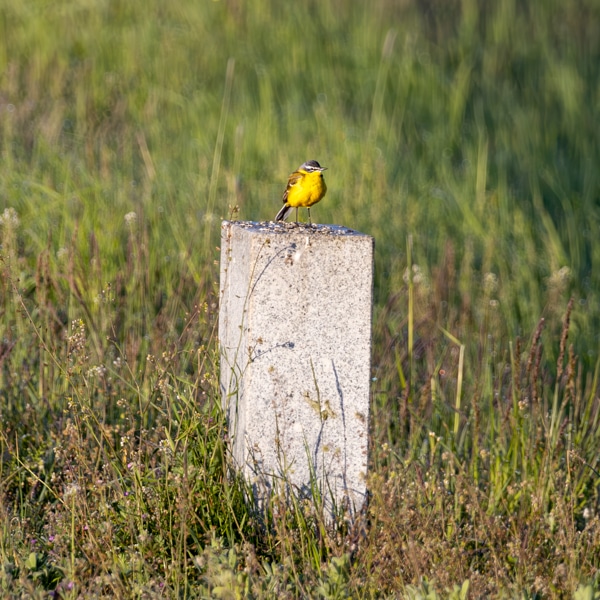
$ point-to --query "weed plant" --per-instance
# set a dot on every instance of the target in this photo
(461, 135)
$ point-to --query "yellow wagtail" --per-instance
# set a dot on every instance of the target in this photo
(305, 187)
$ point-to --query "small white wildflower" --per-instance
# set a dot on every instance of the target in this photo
(490, 283)
(560, 278)
(165, 447)
(9, 218)
(71, 490)
(98, 371)
(418, 276)
(131, 219)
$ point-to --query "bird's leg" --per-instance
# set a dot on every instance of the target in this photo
(309, 221)
(296, 215)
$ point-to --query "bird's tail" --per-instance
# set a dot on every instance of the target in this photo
(283, 213)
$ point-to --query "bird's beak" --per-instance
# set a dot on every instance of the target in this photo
(323, 169)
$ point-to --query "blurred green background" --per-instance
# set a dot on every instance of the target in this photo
(472, 127)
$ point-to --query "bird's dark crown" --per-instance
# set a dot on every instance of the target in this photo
(310, 166)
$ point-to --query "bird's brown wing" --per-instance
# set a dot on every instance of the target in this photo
(293, 179)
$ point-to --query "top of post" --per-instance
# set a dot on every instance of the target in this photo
(283, 228)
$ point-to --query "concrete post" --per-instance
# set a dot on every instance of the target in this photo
(295, 336)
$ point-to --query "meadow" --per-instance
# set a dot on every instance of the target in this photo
(462, 135)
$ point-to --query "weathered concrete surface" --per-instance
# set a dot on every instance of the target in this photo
(295, 336)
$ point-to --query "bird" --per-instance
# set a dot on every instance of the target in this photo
(305, 187)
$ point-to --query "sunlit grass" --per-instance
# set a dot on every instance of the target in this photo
(462, 137)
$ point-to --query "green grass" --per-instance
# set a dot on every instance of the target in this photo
(461, 135)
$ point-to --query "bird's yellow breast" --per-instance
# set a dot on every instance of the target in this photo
(307, 190)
